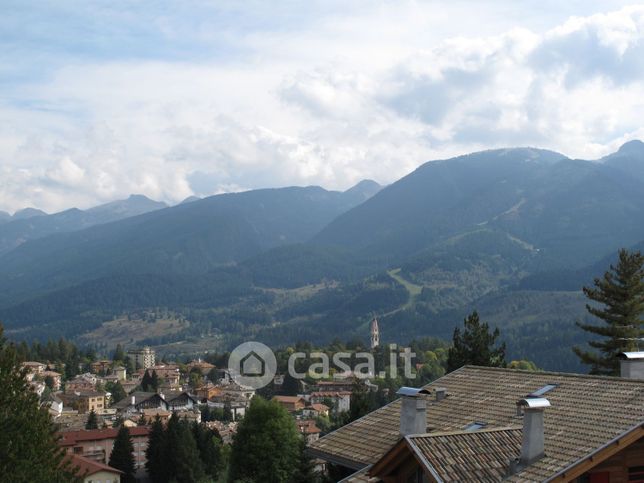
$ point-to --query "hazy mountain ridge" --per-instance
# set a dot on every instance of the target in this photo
(187, 238)
(37, 224)
(512, 232)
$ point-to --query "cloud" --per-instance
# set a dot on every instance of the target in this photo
(215, 99)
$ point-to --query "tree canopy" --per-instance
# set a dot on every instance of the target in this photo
(122, 457)
(267, 445)
(619, 304)
(28, 447)
(475, 345)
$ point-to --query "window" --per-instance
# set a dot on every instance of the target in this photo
(540, 392)
(475, 426)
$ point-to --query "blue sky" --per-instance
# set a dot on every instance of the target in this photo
(102, 99)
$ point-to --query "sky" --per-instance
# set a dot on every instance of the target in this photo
(99, 100)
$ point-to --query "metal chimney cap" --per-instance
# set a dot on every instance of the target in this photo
(534, 402)
(631, 355)
(411, 391)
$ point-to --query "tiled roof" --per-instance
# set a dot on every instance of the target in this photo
(86, 467)
(288, 399)
(587, 412)
(481, 455)
(70, 438)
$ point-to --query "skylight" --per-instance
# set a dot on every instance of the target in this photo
(540, 392)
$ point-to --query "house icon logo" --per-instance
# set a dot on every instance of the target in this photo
(252, 364)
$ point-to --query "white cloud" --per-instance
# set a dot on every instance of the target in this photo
(356, 93)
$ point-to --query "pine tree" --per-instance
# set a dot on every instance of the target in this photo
(267, 444)
(620, 293)
(209, 444)
(154, 381)
(122, 457)
(92, 421)
(28, 448)
(118, 392)
(146, 381)
(156, 453)
(475, 345)
(182, 455)
(119, 354)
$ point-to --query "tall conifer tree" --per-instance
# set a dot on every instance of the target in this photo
(475, 345)
(28, 448)
(619, 297)
(122, 457)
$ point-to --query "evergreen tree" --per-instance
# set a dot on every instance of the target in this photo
(122, 457)
(209, 444)
(154, 381)
(267, 445)
(475, 345)
(620, 294)
(182, 456)
(117, 391)
(146, 381)
(92, 421)
(119, 354)
(306, 469)
(28, 448)
(156, 453)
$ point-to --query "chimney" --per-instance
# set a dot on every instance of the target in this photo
(133, 400)
(413, 410)
(631, 365)
(441, 393)
(533, 439)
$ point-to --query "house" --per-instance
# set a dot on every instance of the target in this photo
(139, 401)
(97, 444)
(341, 400)
(308, 430)
(82, 382)
(315, 410)
(87, 401)
(494, 424)
(208, 390)
(237, 391)
(291, 403)
(91, 471)
(202, 366)
(168, 374)
(56, 379)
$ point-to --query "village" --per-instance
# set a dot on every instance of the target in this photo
(108, 396)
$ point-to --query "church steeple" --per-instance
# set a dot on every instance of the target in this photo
(375, 334)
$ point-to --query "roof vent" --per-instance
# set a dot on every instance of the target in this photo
(441, 393)
(413, 410)
(631, 365)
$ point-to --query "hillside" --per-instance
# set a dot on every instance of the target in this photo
(20, 228)
(188, 238)
(513, 233)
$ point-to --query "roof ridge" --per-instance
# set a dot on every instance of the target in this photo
(548, 373)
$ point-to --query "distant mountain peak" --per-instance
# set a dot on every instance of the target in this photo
(365, 189)
(27, 213)
(632, 147)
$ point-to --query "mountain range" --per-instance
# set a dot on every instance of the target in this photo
(512, 232)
